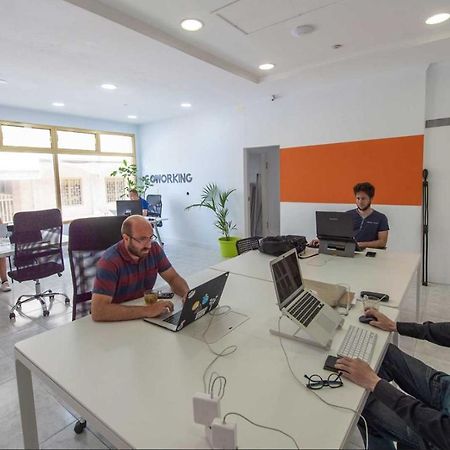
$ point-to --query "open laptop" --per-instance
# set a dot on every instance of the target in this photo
(199, 301)
(128, 207)
(317, 318)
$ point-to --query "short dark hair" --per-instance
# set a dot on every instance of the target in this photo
(134, 191)
(366, 187)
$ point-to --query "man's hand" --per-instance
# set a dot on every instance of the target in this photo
(382, 322)
(158, 308)
(358, 371)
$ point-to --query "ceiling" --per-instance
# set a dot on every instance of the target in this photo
(62, 50)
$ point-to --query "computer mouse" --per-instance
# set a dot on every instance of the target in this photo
(367, 319)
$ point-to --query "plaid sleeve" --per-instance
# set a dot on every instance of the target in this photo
(106, 278)
(162, 262)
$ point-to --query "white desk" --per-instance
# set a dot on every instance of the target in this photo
(134, 382)
(389, 272)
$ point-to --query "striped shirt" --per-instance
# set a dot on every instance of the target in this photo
(120, 277)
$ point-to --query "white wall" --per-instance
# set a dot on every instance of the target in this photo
(211, 145)
(437, 161)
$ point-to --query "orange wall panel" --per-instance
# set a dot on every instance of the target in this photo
(327, 173)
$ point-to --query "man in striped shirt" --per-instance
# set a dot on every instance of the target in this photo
(127, 269)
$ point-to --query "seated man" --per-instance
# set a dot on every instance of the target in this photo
(127, 269)
(420, 420)
(4, 287)
(144, 204)
(370, 227)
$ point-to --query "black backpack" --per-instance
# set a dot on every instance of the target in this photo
(277, 245)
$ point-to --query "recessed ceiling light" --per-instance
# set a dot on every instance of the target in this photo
(3, 81)
(109, 86)
(302, 29)
(185, 105)
(132, 116)
(266, 66)
(58, 104)
(437, 18)
(191, 24)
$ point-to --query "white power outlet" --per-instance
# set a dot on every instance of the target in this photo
(224, 435)
(206, 409)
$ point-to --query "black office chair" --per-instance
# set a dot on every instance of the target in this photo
(38, 254)
(88, 239)
(247, 244)
(154, 206)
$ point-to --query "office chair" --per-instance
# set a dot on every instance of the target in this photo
(247, 244)
(154, 206)
(88, 239)
(38, 254)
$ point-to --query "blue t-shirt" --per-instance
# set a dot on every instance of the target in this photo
(144, 203)
(366, 229)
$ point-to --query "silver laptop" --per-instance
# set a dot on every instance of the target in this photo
(199, 301)
(303, 307)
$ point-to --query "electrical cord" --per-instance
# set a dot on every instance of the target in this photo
(261, 426)
(315, 393)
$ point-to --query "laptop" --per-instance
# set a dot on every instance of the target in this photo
(128, 207)
(307, 311)
(199, 301)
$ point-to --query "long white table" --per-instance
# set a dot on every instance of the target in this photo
(388, 272)
(134, 382)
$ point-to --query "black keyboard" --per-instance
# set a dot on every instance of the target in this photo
(174, 318)
(306, 309)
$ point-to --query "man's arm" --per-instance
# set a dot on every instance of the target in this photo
(431, 424)
(103, 310)
(379, 243)
(437, 333)
(176, 282)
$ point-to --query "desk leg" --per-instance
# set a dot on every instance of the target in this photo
(419, 283)
(27, 409)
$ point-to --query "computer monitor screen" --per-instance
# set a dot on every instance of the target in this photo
(287, 278)
(128, 207)
(334, 225)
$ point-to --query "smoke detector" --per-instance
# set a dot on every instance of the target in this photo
(302, 29)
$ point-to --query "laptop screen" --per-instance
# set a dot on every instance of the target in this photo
(286, 277)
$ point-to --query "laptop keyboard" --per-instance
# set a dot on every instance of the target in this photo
(358, 343)
(174, 318)
(305, 309)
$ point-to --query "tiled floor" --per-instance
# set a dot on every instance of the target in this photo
(55, 422)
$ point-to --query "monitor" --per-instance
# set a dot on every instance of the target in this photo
(128, 207)
(286, 277)
(336, 226)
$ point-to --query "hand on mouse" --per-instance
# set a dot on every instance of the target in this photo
(381, 321)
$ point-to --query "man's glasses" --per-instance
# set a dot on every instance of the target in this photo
(317, 382)
(145, 239)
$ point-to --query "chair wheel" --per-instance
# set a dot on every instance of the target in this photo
(51, 298)
(67, 301)
(12, 315)
(79, 427)
(46, 313)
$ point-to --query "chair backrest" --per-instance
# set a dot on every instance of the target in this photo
(88, 239)
(250, 243)
(37, 240)
(154, 205)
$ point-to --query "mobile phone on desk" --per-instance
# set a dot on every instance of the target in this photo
(165, 295)
(371, 254)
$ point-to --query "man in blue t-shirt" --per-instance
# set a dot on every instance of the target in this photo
(144, 204)
(370, 227)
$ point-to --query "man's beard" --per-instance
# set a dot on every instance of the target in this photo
(366, 208)
(136, 252)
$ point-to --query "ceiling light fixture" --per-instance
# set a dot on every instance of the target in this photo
(266, 66)
(302, 29)
(185, 105)
(191, 24)
(58, 104)
(109, 86)
(132, 116)
(437, 18)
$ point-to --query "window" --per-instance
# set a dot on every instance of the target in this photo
(115, 187)
(16, 136)
(75, 140)
(71, 191)
(44, 167)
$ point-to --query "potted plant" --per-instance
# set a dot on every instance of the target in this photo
(216, 200)
(129, 173)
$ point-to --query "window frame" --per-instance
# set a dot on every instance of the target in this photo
(55, 151)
